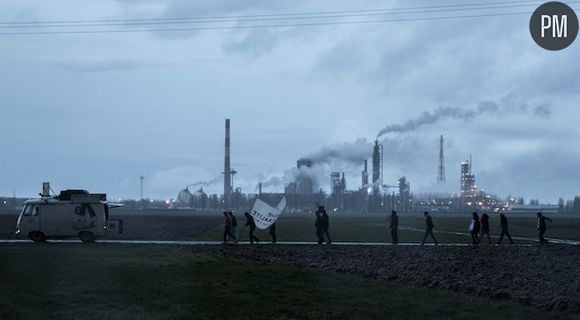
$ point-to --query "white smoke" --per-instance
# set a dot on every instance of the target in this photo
(290, 175)
(205, 183)
(508, 104)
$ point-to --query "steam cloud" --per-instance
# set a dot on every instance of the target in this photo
(291, 174)
(351, 152)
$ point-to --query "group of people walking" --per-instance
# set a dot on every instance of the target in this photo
(231, 228)
(478, 228)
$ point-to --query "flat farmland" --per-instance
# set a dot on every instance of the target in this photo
(208, 226)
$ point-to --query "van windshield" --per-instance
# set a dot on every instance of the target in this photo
(25, 212)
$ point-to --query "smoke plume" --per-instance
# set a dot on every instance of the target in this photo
(315, 173)
(205, 183)
(508, 104)
(349, 152)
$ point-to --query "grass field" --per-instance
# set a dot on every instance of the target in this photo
(47, 281)
(190, 225)
(374, 228)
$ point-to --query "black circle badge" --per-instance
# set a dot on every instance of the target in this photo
(554, 26)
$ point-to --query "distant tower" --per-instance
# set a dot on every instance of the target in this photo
(467, 178)
(365, 175)
(304, 183)
(142, 200)
(441, 169)
(377, 163)
(375, 203)
(141, 177)
(227, 169)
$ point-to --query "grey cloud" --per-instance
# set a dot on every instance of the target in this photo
(256, 43)
(97, 66)
(207, 8)
(186, 8)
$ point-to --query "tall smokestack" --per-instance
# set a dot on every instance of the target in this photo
(365, 175)
(227, 169)
(441, 168)
(377, 162)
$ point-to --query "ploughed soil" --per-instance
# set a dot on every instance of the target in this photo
(545, 277)
(161, 226)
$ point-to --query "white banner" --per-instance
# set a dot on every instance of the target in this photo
(265, 215)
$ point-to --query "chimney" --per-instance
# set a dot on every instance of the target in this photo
(365, 175)
(377, 162)
(227, 169)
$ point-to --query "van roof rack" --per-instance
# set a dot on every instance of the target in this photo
(67, 194)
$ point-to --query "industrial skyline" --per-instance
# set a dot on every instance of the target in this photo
(304, 190)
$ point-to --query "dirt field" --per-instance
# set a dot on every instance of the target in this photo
(120, 282)
(542, 277)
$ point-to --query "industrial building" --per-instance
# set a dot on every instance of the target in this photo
(371, 196)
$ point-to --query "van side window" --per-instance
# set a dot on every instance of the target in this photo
(35, 211)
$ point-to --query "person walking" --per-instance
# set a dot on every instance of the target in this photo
(428, 228)
(475, 227)
(542, 227)
(325, 225)
(234, 226)
(318, 224)
(394, 225)
(504, 228)
(485, 227)
(250, 222)
(272, 231)
(228, 227)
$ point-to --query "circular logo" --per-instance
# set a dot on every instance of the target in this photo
(554, 26)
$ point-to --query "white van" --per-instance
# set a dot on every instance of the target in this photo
(73, 213)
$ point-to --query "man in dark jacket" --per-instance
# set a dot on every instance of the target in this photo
(504, 228)
(485, 227)
(394, 226)
(318, 224)
(250, 222)
(234, 230)
(542, 227)
(325, 225)
(228, 227)
(428, 228)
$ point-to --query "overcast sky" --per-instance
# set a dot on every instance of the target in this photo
(95, 111)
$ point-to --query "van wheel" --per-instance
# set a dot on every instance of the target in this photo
(87, 236)
(37, 236)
